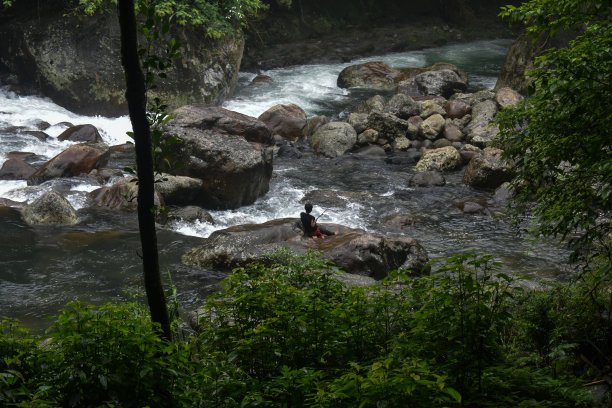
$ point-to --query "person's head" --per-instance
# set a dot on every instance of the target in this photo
(308, 208)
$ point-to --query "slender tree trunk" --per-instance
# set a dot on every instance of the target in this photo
(136, 98)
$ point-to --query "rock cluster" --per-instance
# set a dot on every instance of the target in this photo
(430, 117)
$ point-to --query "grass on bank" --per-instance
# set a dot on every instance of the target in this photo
(291, 335)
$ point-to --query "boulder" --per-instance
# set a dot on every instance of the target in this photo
(231, 153)
(334, 139)
(50, 208)
(191, 214)
(431, 107)
(313, 124)
(123, 195)
(179, 190)
(356, 251)
(522, 54)
(452, 132)
(261, 79)
(483, 114)
(104, 175)
(376, 103)
(456, 109)
(16, 169)
(482, 136)
(375, 75)
(432, 126)
(359, 121)
(475, 206)
(367, 136)
(81, 133)
(427, 178)
(401, 144)
(389, 126)
(488, 170)
(42, 136)
(468, 152)
(508, 97)
(443, 159)
(285, 120)
(441, 143)
(402, 106)
(474, 98)
(397, 222)
(76, 160)
(444, 82)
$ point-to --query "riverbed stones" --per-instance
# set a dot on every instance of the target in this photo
(285, 120)
(444, 82)
(375, 75)
(402, 106)
(334, 139)
(359, 121)
(456, 109)
(431, 127)
(430, 107)
(488, 170)
(190, 214)
(443, 159)
(389, 126)
(230, 152)
(81, 133)
(51, 208)
(76, 160)
(356, 251)
(376, 103)
(452, 132)
(313, 124)
(508, 97)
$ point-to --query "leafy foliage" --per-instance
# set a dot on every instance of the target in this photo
(292, 335)
(560, 137)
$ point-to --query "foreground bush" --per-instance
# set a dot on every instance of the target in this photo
(291, 335)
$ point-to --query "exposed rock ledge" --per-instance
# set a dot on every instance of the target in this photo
(355, 251)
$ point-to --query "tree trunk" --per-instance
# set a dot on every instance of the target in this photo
(136, 99)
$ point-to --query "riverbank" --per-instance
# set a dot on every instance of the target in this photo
(351, 43)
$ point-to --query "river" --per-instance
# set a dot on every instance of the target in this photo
(43, 267)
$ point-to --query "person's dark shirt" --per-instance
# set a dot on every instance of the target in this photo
(306, 221)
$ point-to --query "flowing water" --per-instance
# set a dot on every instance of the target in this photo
(43, 267)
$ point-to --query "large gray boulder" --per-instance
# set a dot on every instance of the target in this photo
(81, 133)
(285, 120)
(50, 208)
(444, 82)
(334, 139)
(356, 251)
(75, 60)
(488, 170)
(230, 152)
(375, 75)
(76, 160)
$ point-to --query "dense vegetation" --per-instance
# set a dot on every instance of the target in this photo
(560, 137)
(291, 335)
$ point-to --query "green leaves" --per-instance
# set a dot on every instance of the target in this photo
(560, 137)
